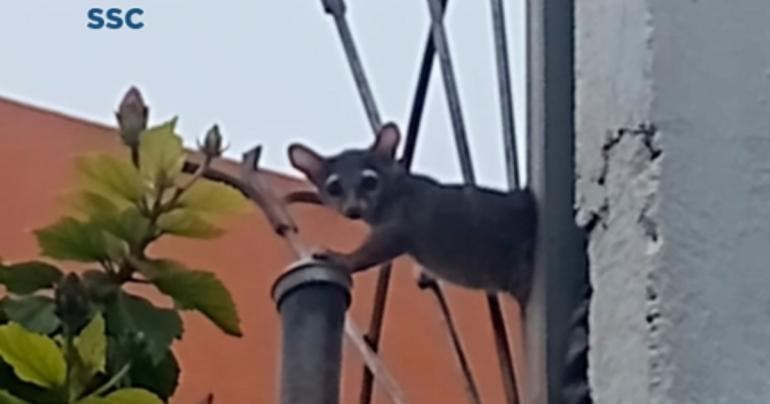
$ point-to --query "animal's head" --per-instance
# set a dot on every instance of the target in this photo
(354, 182)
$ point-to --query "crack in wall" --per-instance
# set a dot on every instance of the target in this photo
(628, 164)
(649, 225)
(648, 134)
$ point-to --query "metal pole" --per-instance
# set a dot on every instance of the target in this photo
(450, 87)
(312, 299)
(506, 98)
(426, 282)
(559, 276)
(420, 95)
(337, 9)
(512, 173)
(463, 151)
(383, 278)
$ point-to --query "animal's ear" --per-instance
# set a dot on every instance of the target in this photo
(387, 140)
(307, 161)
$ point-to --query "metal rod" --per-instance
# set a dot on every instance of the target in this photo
(504, 356)
(396, 395)
(420, 95)
(337, 9)
(512, 173)
(383, 277)
(375, 329)
(427, 282)
(450, 87)
(453, 100)
(506, 96)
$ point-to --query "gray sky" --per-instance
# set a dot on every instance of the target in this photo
(269, 72)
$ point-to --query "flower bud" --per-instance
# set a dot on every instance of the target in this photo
(212, 143)
(72, 303)
(132, 117)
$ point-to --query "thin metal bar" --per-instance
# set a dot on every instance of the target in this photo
(386, 379)
(506, 97)
(512, 173)
(383, 277)
(470, 385)
(505, 359)
(450, 87)
(453, 100)
(337, 9)
(375, 329)
(420, 95)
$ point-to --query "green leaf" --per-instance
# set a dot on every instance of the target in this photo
(113, 178)
(161, 155)
(99, 285)
(35, 313)
(8, 398)
(91, 203)
(35, 358)
(128, 225)
(214, 198)
(161, 378)
(26, 391)
(91, 346)
(197, 290)
(123, 221)
(182, 222)
(70, 239)
(139, 319)
(28, 277)
(125, 396)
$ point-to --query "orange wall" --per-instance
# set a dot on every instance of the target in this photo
(36, 167)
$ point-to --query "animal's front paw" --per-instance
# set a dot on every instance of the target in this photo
(332, 257)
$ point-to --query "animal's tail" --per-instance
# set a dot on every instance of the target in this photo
(575, 388)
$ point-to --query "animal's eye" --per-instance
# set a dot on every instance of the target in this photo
(370, 181)
(333, 187)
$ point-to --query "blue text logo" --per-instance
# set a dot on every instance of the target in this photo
(115, 18)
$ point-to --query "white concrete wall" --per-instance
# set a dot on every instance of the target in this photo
(673, 166)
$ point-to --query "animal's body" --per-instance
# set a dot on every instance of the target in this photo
(472, 236)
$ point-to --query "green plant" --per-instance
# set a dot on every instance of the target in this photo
(82, 338)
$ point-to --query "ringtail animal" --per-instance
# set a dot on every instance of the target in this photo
(471, 236)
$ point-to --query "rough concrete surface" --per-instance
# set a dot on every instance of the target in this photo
(673, 166)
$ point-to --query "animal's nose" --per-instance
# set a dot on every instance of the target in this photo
(353, 212)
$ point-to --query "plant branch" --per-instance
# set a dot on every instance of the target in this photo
(179, 191)
(125, 274)
(138, 280)
(112, 382)
(69, 357)
(108, 267)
